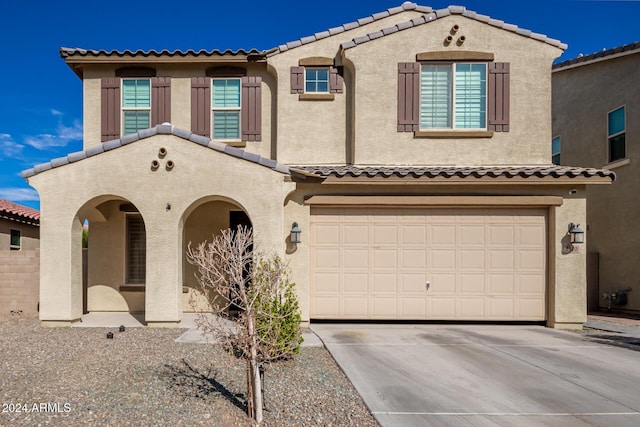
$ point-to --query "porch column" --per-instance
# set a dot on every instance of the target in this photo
(163, 289)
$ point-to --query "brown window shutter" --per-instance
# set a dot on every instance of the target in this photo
(160, 100)
(251, 108)
(297, 79)
(336, 82)
(110, 108)
(408, 96)
(498, 102)
(201, 106)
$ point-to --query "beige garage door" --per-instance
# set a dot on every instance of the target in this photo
(457, 264)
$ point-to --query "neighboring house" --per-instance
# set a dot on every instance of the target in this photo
(19, 258)
(410, 147)
(596, 123)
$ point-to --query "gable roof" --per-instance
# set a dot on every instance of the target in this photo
(16, 212)
(166, 129)
(604, 55)
(429, 15)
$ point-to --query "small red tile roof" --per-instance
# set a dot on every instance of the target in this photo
(14, 209)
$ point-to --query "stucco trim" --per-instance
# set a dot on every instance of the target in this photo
(453, 134)
(419, 201)
(454, 55)
(165, 128)
(315, 61)
(316, 97)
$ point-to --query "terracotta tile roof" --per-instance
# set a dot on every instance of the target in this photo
(429, 15)
(68, 52)
(10, 209)
(165, 128)
(605, 54)
(452, 171)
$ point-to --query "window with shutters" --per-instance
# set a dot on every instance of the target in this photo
(132, 101)
(316, 82)
(616, 134)
(136, 255)
(227, 109)
(136, 105)
(225, 104)
(453, 96)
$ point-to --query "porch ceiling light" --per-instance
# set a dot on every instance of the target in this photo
(577, 233)
(295, 233)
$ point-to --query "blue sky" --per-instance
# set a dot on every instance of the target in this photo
(41, 98)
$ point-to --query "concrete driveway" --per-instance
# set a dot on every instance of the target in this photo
(486, 375)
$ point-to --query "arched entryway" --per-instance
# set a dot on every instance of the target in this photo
(116, 266)
(203, 220)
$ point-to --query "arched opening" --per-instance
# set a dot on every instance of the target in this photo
(114, 262)
(205, 219)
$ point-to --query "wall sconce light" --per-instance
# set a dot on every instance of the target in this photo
(168, 207)
(576, 233)
(295, 233)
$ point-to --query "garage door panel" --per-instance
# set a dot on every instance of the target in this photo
(482, 264)
(385, 282)
(355, 258)
(415, 234)
(472, 284)
(326, 234)
(501, 284)
(412, 283)
(501, 260)
(355, 283)
(500, 308)
(357, 235)
(472, 235)
(384, 308)
(326, 259)
(384, 258)
(472, 260)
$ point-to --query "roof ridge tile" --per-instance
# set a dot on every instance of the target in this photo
(163, 129)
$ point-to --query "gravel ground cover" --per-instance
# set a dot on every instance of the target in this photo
(141, 377)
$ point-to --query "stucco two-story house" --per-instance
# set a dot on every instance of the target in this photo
(409, 147)
(19, 259)
(596, 123)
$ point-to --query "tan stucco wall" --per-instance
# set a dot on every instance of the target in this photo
(30, 235)
(181, 75)
(580, 119)
(125, 173)
(376, 71)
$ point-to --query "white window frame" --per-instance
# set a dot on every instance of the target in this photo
(452, 104)
(238, 109)
(556, 153)
(17, 247)
(609, 137)
(328, 69)
(123, 108)
(127, 249)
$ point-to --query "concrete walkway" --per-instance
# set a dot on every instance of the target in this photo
(191, 335)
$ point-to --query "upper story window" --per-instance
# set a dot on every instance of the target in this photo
(616, 131)
(136, 105)
(226, 108)
(453, 99)
(134, 99)
(15, 242)
(555, 150)
(453, 96)
(316, 80)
